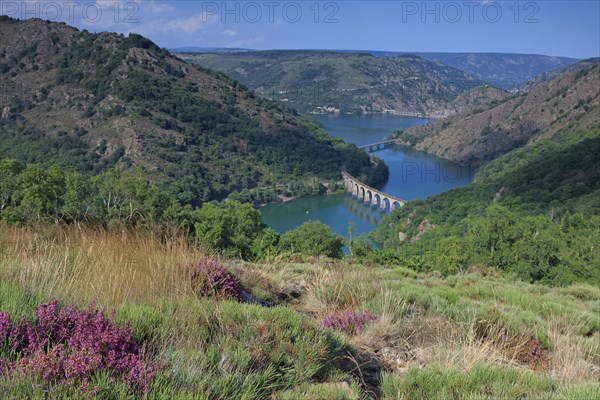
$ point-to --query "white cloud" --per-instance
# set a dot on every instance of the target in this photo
(160, 8)
(229, 33)
(189, 25)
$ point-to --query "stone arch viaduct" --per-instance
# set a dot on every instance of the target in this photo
(371, 196)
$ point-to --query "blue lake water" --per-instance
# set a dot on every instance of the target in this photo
(413, 175)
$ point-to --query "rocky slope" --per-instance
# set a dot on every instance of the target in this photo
(508, 71)
(569, 101)
(555, 73)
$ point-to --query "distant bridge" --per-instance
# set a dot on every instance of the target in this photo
(377, 146)
(370, 196)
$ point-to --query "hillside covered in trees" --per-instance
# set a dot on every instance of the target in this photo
(322, 81)
(533, 212)
(93, 101)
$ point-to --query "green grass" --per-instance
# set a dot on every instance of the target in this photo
(482, 382)
(452, 326)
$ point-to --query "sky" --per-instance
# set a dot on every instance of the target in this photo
(550, 27)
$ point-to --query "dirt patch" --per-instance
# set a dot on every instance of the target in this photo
(532, 354)
(293, 290)
(523, 349)
(366, 368)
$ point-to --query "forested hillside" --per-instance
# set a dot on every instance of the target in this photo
(533, 211)
(325, 81)
(94, 101)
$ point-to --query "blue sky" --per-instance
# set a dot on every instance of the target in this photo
(560, 28)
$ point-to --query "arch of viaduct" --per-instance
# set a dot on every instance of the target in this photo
(371, 196)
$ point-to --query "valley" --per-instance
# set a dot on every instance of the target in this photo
(179, 224)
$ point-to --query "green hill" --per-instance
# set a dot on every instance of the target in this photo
(93, 101)
(324, 81)
(533, 211)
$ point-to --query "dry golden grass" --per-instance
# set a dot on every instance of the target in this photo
(462, 349)
(336, 289)
(113, 267)
(572, 356)
(424, 327)
(387, 330)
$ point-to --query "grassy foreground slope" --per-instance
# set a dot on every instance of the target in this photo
(476, 335)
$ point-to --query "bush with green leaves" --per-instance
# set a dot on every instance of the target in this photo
(232, 228)
(312, 239)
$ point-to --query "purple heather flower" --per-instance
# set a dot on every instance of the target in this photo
(211, 279)
(70, 345)
(347, 321)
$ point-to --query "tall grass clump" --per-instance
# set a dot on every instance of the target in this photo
(111, 266)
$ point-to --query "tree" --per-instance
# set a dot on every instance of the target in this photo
(230, 227)
(494, 235)
(78, 198)
(453, 256)
(129, 198)
(9, 183)
(313, 239)
(39, 196)
(359, 246)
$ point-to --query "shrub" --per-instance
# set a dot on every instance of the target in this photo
(68, 346)
(313, 239)
(229, 227)
(211, 279)
(347, 321)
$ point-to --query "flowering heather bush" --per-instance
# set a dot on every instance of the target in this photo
(211, 279)
(347, 321)
(68, 346)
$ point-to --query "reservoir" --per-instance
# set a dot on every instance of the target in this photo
(413, 175)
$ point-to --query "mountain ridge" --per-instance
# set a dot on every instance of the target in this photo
(476, 136)
(338, 82)
(509, 71)
(105, 99)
